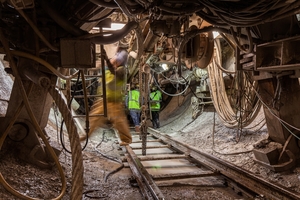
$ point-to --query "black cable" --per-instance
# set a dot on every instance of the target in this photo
(62, 123)
(56, 122)
(246, 14)
(90, 85)
(109, 157)
(104, 155)
(87, 194)
(114, 171)
(213, 142)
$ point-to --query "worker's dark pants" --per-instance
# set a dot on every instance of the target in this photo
(135, 116)
(155, 119)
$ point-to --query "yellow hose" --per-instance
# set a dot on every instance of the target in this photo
(35, 123)
(42, 62)
(236, 111)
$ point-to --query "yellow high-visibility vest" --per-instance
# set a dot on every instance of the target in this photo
(114, 87)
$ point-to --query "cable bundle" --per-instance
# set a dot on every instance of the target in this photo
(246, 13)
(237, 106)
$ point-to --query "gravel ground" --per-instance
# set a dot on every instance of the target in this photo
(100, 184)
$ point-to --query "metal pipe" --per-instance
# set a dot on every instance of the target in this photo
(41, 61)
(87, 122)
(33, 119)
(102, 3)
(186, 11)
(103, 80)
(59, 19)
(37, 31)
(116, 36)
(37, 77)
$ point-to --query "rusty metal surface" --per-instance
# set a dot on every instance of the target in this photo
(170, 167)
(138, 177)
(152, 147)
(80, 56)
(241, 176)
(161, 157)
(148, 181)
(183, 175)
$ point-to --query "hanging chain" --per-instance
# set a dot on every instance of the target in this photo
(144, 91)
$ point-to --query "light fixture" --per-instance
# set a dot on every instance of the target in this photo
(114, 26)
(110, 26)
(162, 66)
(298, 17)
(216, 34)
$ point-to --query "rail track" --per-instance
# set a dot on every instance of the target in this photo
(169, 163)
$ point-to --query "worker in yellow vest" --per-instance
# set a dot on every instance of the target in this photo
(155, 99)
(115, 98)
(134, 106)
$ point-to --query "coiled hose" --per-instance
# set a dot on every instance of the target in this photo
(77, 162)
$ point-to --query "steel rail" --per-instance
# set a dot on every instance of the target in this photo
(138, 177)
(239, 175)
(142, 172)
(149, 183)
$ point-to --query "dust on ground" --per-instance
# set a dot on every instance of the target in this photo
(102, 156)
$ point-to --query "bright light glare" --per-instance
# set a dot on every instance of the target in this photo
(115, 26)
(216, 34)
(165, 66)
(298, 17)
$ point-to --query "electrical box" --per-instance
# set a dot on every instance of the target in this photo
(77, 53)
(279, 55)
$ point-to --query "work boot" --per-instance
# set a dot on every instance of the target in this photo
(137, 129)
(156, 123)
